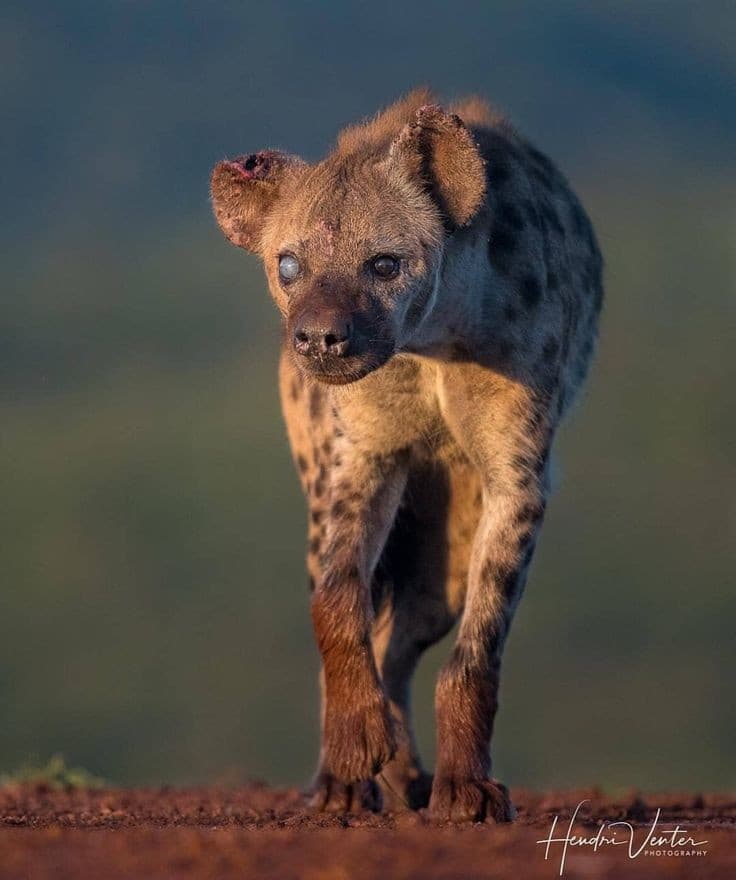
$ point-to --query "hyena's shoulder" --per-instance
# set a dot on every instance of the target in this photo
(534, 211)
(544, 259)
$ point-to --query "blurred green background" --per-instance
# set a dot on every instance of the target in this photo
(154, 623)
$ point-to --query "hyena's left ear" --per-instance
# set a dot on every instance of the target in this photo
(438, 148)
(246, 189)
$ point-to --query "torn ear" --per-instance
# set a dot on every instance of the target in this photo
(245, 189)
(437, 147)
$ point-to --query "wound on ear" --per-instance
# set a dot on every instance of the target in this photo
(256, 166)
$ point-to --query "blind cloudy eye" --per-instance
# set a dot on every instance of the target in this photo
(386, 266)
(288, 267)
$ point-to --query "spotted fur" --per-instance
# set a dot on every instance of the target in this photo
(424, 450)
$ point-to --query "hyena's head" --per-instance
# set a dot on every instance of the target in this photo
(352, 245)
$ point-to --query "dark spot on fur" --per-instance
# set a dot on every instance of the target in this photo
(510, 580)
(525, 538)
(302, 463)
(532, 214)
(503, 575)
(550, 349)
(460, 351)
(505, 349)
(510, 215)
(549, 215)
(315, 402)
(294, 389)
(315, 516)
(530, 513)
(319, 488)
(525, 481)
(531, 291)
(542, 177)
(499, 172)
(503, 240)
(314, 546)
(327, 447)
(501, 247)
(339, 509)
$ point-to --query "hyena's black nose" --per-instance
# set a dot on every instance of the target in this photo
(322, 333)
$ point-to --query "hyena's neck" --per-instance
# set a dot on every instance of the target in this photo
(457, 307)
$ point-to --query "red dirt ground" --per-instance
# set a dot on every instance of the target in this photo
(257, 832)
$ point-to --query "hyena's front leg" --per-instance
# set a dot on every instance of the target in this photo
(466, 697)
(357, 735)
(328, 793)
(508, 445)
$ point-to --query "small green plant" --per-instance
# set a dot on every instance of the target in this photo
(54, 774)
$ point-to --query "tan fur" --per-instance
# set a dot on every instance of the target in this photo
(421, 410)
(377, 133)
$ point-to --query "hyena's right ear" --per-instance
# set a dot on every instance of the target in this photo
(245, 189)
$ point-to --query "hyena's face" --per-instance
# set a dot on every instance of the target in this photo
(351, 246)
(352, 263)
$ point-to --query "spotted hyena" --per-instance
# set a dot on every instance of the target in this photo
(440, 286)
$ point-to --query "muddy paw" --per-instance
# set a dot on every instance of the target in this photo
(482, 800)
(358, 742)
(327, 794)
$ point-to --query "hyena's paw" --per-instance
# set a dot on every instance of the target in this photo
(327, 794)
(358, 741)
(466, 800)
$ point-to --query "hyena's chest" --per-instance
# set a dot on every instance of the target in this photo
(398, 410)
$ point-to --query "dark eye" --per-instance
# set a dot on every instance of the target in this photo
(385, 266)
(289, 268)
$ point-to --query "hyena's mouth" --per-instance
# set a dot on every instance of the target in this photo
(344, 371)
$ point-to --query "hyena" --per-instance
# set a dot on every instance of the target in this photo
(440, 286)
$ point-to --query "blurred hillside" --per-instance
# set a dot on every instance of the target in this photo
(153, 611)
